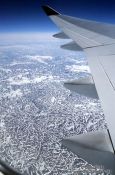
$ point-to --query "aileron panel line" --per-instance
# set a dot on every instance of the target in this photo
(105, 92)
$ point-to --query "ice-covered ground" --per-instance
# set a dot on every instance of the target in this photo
(37, 111)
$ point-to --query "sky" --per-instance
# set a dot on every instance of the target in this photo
(28, 16)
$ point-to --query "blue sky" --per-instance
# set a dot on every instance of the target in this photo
(28, 16)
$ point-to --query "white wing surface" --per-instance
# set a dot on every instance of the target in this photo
(97, 40)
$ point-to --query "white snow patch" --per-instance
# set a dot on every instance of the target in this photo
(50, 77)
(42, 166)
(5, 70)
(8, 139)
(77, 68)
(13, 94)
(41, 59)
(69, 128)
(92, 104)
(19, 80)
(78, 105)
(53, 99)
(2, 124)
(39, 79)
(14, 63)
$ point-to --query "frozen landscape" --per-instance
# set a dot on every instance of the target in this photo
(37, 111)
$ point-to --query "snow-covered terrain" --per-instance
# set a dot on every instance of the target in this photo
(37, 111)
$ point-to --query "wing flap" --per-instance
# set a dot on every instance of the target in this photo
(87, 80)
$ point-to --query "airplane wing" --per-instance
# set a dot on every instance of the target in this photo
(97, 40)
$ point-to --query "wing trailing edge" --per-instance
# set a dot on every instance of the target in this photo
(87, 80)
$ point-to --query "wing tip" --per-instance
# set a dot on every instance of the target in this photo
(49, 11)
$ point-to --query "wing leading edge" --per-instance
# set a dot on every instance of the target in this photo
(98, 41)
